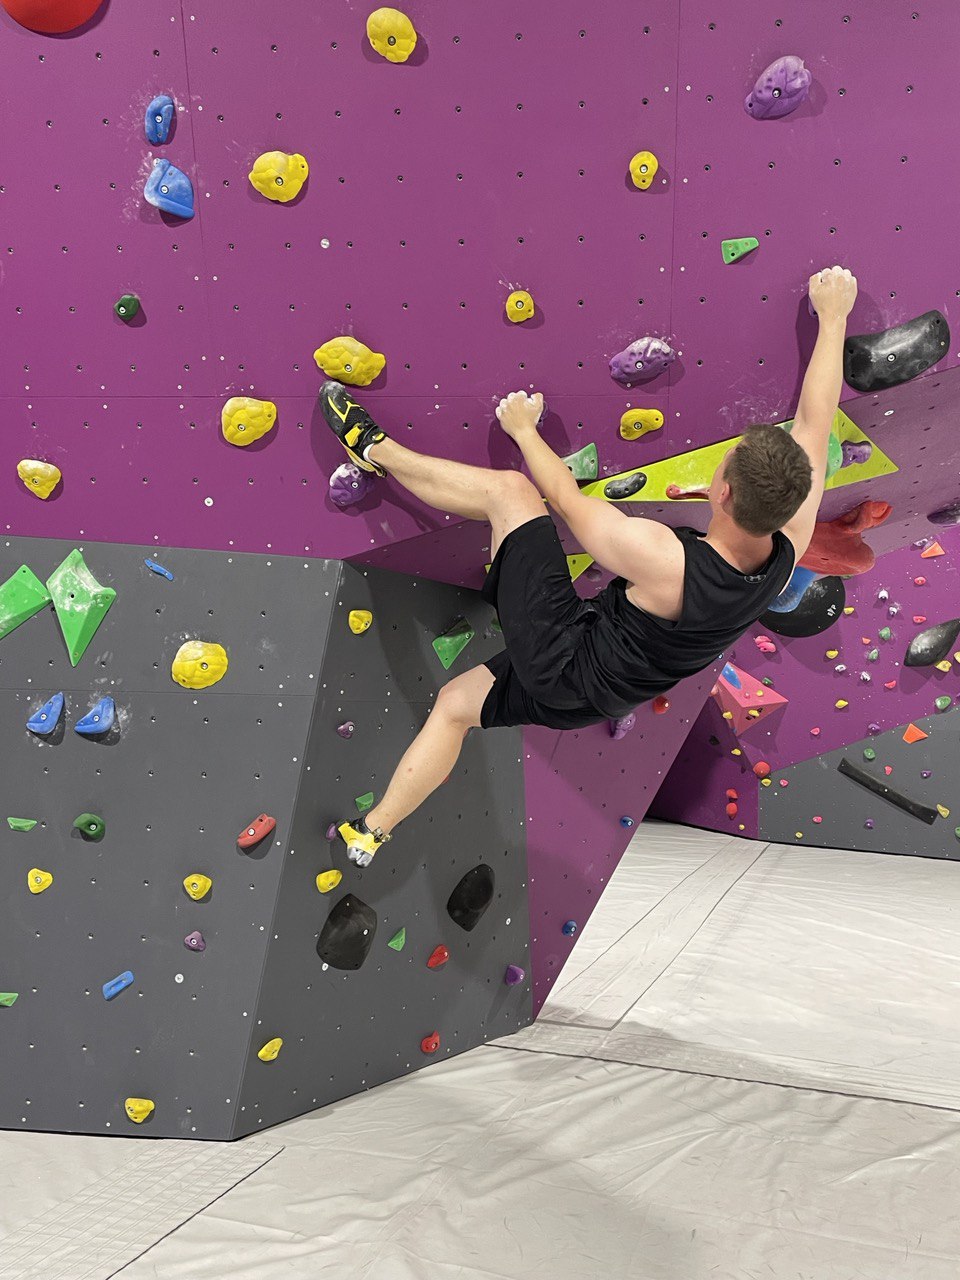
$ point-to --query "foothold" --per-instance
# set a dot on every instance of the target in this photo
(452, 643)
(661, 705)
(195, 941)
(943, 811)
(519, 306)
(21, 596)
(391, 34)
(819, 608)
(38, 881)
(855, 452)
(348, 484)
(869, 824)
(430, 1043)
(732, 793)
(127, 306)
(158, 569)
(279, 175)
(780, 89)
(765, 644)
(584, 464)
(636, 423)
(884, 633)
(157, 119)
(570, 928)
(841, 703)
(873, 729)
(199, 664)
(875, 361)
(364, 802)
(328, 880)
(734, 249)
(359, 620)
(943, 702)
(732, 810)
(346, 730)
(438, 957)
(880, 788)
(270, 1050)
(641, 360)
(869, 753)
(761, 769)
(51, 17)
(513, 975)
(873, 655)
(258, 829)
(832, 653)
(346, 359)
(934, 549)
(919, 582)
(620, 728)
(471, 897)
(138, 1109)
(933, 645)
(116, 985)
(627, 821)
(8, 999)
(80, 601)
(398, 941)
(244, 419)
(348, 934)
(44, 721)
(99, 720)
(90, 825)
(624, 486)
(21, 824)
(946, 515)
(914, 734)
(168, 188)
(41, 478)
(198, 886)
(732, 676)
(643, 169)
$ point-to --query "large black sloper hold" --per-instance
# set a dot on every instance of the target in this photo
(471, 897)
(348, 934)
(933, 645)
(872, 361)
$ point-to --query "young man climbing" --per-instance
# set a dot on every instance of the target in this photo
(680, 597)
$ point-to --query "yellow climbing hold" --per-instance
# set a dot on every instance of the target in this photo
(520, 306)
(270, 1050)
(40, 478)
(848, 609)
(198, 886)
(199, 664)
(392, 34)
(328, 880)
(643, 169)
(38, 880)
(945, 665)
(139, 1108)
(279, 176)
(943, 811)
(640, 422)
(832, 653)
(766, 782)
(349, 360)
(359, 620)
(736, 752)
(244, 419)
(841, 703)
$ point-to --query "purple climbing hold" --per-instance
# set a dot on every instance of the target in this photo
(332, 831)
(780, 89)
(869, 824)
(946, 515)
(620, 728)
(641, 361)
(855, 452)
(513, 975)
(195, 941)
(346, 729)
(873, 729)
(593, 573)
(925, 773)
(348, 484)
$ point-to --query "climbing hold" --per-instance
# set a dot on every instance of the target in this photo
(640, 422)
(933, 645)
(734, 249)
(761, 769)
(279, 175)
(138, 1109)
(38, 881)
(346, 730)
(793, 592)
(942, 702)
(767, 682)
(869, 753)
(620, 728)
(364, 802)
(8, 999)
(832, 653)
(158, 569)
(51, 17)
(168, 188)
(328, 880)
(471, 897)
(513, 975)
(452, 643)
(841, 703)
(359, 620)
(127, 306)
(99, 719)
(570, 928)
(21, 596)
(348, 484)
(624, 486)
(873, 655)
(198, 886)
(398, 941)
(869, 824)
(884, 633)
(642, 360)
(270, 1050)
(116, 985)
(731, 675)
(732, 793)
(627, 821)
(584, 464)
(820, 605)
(347, 935)
(21, 824)
(244, 419)
(873, 729)
(45, 720)
(438, 957)
(837, 546)
(256, 831)
(519, 306)
(943, 811)
(913, 734)
(874, 361)
(643, 169)
(765, 644)
(934, 549)
(347, 360)
(661, 704)
(41, 478)
(840, 668)
(780, 89)
(946, 515)
(199, 664)
(855, 452)
(90, 825)
(914, 807)
(430, 1043)
(677, 493)
(392, 34)
(944, 665)
(919, 618)
(919, 582)
(732, 810)
(80, 601)
(195, 941)
(158, 118)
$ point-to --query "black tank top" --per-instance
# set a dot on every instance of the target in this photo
(629, 656)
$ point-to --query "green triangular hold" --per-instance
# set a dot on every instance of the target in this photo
(584, 464)
(364, 803)
(734, 249)
(398, 940)
(21, 596)
(7, 998)
(21, 824)
(452, 643)
(80, 601)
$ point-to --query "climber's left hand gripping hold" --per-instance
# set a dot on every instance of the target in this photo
(519, 413)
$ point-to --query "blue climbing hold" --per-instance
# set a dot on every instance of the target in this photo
(627, 822)
(116, 985)
(158, 119)
(99, 719)
(570, 928)
(170, 189)
(730, 675)
(158, 568)
(46, 719)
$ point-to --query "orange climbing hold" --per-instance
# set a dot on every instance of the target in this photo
(660, 705)
(762, 769)
(934, 549)
(913, 734)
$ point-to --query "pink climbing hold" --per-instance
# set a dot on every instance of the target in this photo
(765, 644)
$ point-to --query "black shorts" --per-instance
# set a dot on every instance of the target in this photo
(543, 621)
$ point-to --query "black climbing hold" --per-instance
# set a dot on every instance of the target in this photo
(348, 934)
(625, 486)
(471, 897)
(946, 515)
(880, 788)
(872, 361)
(820, 606)
(932, 645)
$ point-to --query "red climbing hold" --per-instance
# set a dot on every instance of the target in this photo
(440, 955)
(51, 17)
(731, 794)
(731, 810)
(837, 546)
(762, 769)
(256, 831)
(430, 1043)
(660, 705)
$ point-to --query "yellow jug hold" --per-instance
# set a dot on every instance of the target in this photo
(244, 419)
(199, 664)
(391, 34)
(41, 478)
(279, 175)
(348, 360)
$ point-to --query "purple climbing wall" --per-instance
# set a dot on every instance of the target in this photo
(496, 158)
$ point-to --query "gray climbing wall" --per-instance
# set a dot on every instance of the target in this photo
(183, 775)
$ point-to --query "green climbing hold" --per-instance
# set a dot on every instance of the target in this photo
(767, 681)
(7, 998)
(884, 633)
(452, 643)
(869, 753)
(956, 832)
(127, 306)
(584, 464)
(943, 702)
(90, 825)
(80, 601)
(734, 249)
(834, 455)
(398, 940)
(21, 824)
(364, 803)
(21, 596)
(873, 655)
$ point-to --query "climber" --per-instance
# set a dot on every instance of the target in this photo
(679, 599)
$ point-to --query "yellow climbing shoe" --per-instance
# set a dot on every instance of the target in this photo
(361, 843)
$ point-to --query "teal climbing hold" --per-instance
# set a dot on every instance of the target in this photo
(734, 249)
(21, 824)
(21, 596)
(398, 940)
(452, 643)
(584, 464)
(81, 603)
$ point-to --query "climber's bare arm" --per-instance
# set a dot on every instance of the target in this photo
(629, 546)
